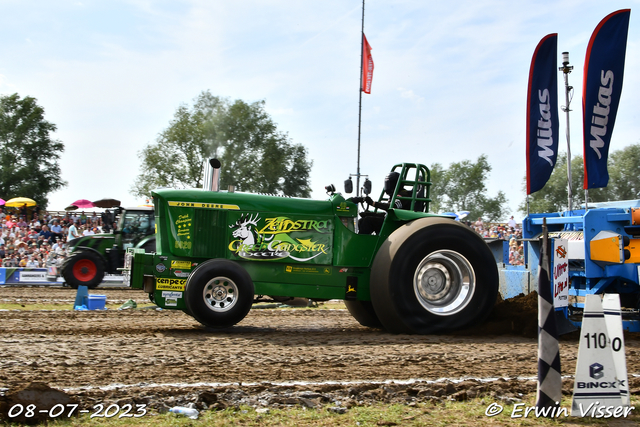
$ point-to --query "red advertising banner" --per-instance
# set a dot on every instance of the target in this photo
(367, 65)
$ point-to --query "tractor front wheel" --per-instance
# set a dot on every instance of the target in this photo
(83, 268)
(219, 293)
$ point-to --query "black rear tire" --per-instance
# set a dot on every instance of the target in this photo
(364, 313)
(433, 275)
(219, 293)
(83, 268)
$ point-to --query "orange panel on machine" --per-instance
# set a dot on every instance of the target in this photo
(635, 216)
(634, 249)
(606, 247)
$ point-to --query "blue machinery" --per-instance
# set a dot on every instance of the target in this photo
(603, 252)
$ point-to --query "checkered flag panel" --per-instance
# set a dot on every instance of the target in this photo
(549, 378)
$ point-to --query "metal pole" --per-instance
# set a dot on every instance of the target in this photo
(360, 102)
(566, 69)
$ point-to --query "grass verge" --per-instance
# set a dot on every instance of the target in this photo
(449, 413)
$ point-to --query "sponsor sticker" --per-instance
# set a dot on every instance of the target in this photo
(170, 294)
(342, 207)
(180, 273)
(298, 269)
(170, 284)
(180, 264)
(170, 302)
(160, 267)
(33, 276)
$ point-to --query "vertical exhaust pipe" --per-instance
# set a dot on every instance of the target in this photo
(211, 180)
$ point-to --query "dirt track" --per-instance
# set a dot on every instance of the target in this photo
(68, 350)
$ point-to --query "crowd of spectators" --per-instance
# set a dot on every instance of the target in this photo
(510, 231)
(42, 240)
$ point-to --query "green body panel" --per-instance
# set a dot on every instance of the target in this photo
(97, 242)
(290, 247)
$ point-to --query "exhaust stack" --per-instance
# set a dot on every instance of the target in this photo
(211, 180)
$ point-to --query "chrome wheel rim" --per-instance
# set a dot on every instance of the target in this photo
(220, 294)
(444, 282)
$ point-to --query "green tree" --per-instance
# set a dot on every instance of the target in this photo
(624, 174)
(461, 187)
(624, 183)
(437, 185)
(255, 156)
(28, 154)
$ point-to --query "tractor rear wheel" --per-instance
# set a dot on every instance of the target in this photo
(219, 293)
(364, 313)
(433, 275)
(83, 268)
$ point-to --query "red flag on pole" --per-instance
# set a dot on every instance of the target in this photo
(367, 65)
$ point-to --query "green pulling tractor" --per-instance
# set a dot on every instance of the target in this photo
(90, 257)
(218, 252)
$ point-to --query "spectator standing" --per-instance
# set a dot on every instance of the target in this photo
(107, 220)
(73, 231)
(479, 226)
(512, 222)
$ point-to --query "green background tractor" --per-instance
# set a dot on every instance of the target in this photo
(421, 273)
(89, 258)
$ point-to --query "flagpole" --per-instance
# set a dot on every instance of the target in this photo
(360, 101)
(566, 69)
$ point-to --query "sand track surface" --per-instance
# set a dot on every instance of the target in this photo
(72, 349)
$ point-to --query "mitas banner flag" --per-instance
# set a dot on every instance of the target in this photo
(603, 73)
(367, 65)
(542, 114)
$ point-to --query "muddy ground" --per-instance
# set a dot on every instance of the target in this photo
(274, 357)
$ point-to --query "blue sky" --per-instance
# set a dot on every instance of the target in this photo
(449, 84)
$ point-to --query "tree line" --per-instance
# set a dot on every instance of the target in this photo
(257, 157)
(624, 183)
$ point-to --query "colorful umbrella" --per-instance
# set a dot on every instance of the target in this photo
(83, 204)
(1, 202)
(18, 202)
(106, 203)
